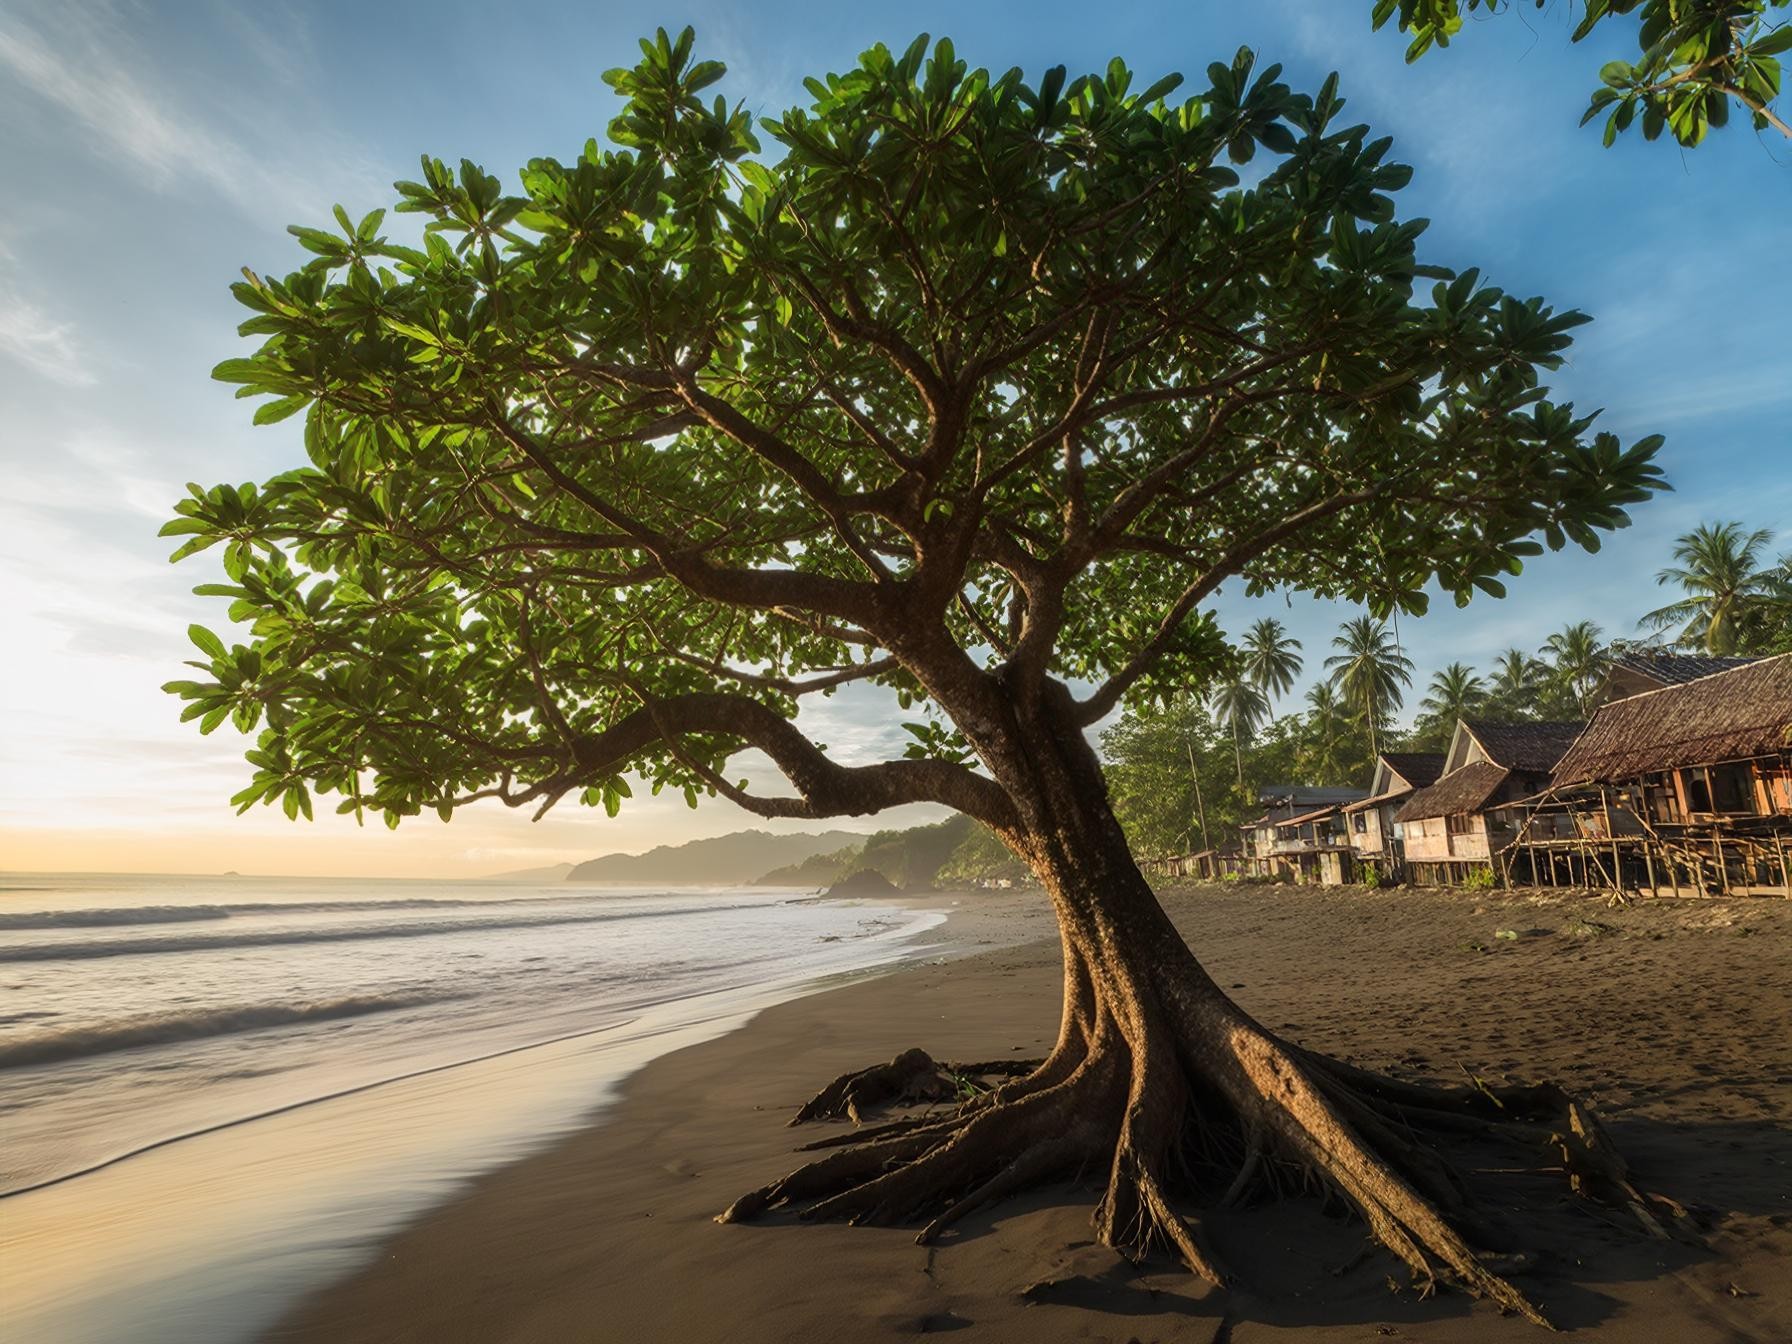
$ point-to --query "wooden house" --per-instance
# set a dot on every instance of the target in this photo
(1457, 825)
(1296, 824)
(1374, 835)
(1638, 671)
(1683, 790)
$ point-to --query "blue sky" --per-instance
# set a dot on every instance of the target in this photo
(152, 149)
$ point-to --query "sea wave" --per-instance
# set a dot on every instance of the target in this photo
(102, 917)
(58, 1046)
(83, 949)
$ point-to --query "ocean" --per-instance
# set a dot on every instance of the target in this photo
(218, 1093)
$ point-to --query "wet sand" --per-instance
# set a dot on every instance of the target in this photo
(1674, 1017)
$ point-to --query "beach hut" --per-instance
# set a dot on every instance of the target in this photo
(1682, 790)
(1374, 834)
(1456, 826)
(1295, 824)
(1638, 671)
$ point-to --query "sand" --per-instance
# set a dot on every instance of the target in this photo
(1675, 1017)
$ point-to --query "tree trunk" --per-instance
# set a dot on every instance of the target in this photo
(1163, 1082)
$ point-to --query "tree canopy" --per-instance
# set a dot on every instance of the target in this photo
(969, 383)
(1695, 59)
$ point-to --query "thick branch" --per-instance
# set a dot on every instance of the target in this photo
(825, 788)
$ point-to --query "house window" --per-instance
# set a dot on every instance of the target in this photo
(1698, 792)
(1360, 821)
(1732, 789)
(1459, 823)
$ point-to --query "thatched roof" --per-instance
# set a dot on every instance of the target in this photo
(1418, 768)
(1531, 747)
(1464, 790)
(1675, 669)
(1746, 711)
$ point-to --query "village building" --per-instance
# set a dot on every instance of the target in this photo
(1374, 836)
(1459, 824)
(1681, 790)
(1637, 671)
(1299, 824)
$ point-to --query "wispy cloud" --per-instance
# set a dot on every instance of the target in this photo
(44, 345)
(94, 72)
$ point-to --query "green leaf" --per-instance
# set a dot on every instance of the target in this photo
(206, 642)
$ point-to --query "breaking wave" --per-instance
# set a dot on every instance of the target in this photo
(180, 914)
(54, 1047)
(195, 942)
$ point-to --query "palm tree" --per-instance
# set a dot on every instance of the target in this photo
(1455, 693)
(1241, 705)
(1579, 659)
(1271, 657)
(1327, 716)
(1517, 676)
(1730, 598)
(1369, 671)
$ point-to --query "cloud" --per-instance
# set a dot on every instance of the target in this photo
(42, 344)
(92, 72)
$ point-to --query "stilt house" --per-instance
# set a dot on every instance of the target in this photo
(1457, 825)
(1683, 790)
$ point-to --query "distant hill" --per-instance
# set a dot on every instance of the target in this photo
(910, 859)
(554, 872)
(723, 860)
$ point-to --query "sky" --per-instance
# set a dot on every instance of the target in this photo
(150, 150)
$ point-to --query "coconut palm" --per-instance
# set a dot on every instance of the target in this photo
(1271, 657)
(1578, 660)
(1455, 692)
(1369, 671)
(1517, 677)
(1326, 750)
(1240, 704)
(1731, 598)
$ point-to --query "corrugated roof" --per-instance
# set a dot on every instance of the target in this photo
(1534, 747)
(1746, 711)
(1675, 669)
(1417, 768)
(1464, 790)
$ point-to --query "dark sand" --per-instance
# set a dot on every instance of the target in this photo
(1675, 1017)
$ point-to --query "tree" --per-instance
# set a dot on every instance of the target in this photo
(975, 390)
(1271, 657)
(1456, 692)
(1733, 603)
(1330, 753)
(1240, 705)
(1155, 758)
(1517, 678)
(1369, 671)
(1697, 57)
(1578, 662)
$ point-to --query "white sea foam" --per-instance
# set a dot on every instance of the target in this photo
(57, 1045)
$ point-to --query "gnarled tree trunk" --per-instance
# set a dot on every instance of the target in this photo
(1161, 1080)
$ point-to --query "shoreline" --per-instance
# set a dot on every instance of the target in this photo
(266, 1209)
(1668, 1014)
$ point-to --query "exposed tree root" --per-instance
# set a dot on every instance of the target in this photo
(1217, 1129)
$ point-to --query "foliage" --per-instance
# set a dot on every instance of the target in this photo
(1734, 603)
(1271, 657)
(1455, 693)
(1577, 665)
(973, 388)
(1695, 58)
(1369, 670)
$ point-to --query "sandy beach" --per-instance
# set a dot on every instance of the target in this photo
(1674, 1017)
